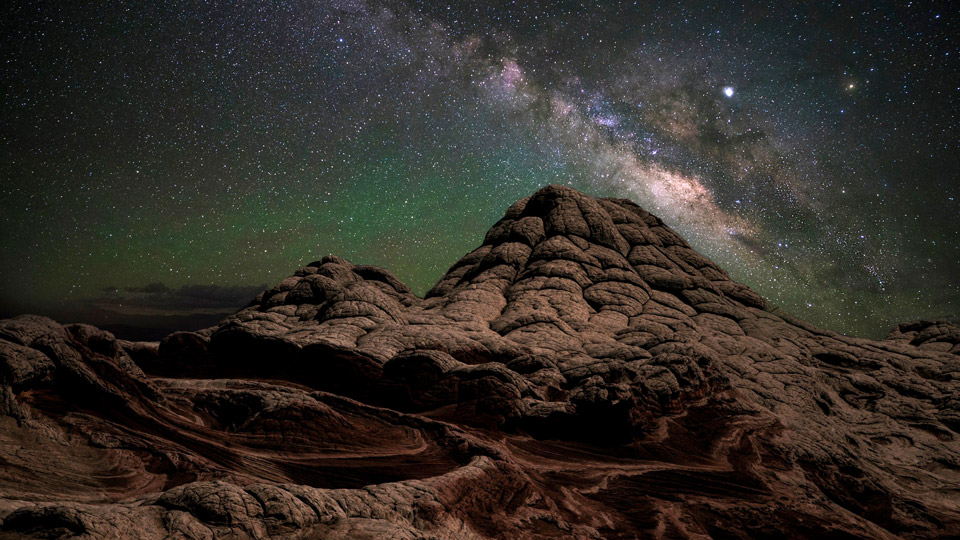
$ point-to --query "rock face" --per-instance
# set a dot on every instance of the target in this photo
(582, 374)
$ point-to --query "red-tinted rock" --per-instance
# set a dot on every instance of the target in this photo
(584, 373)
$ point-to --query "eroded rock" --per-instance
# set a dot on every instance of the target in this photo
(584, 373)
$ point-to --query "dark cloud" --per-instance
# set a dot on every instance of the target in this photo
(152, 288)
(157, 298)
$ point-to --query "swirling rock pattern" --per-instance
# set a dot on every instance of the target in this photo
(582, 374)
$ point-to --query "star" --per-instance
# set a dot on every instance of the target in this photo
(147, 152)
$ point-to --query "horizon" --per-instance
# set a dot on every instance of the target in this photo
(154, 310)
(813, 159)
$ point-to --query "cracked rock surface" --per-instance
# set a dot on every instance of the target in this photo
(584, 373)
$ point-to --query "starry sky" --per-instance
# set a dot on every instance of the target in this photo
(197, 151)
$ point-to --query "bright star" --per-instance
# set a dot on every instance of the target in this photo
(728, 91)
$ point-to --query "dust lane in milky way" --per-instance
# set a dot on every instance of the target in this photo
(810, 151)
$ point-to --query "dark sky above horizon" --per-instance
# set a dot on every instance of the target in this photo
(811, 149)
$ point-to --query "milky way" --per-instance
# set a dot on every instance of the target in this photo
(811, 151)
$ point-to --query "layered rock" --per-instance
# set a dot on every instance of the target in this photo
(584, 373)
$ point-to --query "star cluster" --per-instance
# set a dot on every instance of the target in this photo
(809, 149)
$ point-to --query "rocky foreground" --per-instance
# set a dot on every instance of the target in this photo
(582, 374)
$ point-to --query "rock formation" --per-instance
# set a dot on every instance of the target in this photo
(582, 374)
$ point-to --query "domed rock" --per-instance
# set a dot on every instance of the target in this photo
(584, 373)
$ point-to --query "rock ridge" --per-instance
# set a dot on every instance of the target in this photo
(583, 373)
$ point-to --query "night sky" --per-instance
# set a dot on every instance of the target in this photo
(200, 150)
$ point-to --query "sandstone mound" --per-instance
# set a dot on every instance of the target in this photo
(582, 374)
